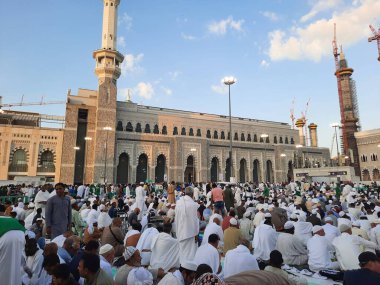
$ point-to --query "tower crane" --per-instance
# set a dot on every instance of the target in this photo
(304, 118)
(376, 37)
(292, 118)
(22, 103)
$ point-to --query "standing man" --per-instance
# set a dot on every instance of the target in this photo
(58, 212)
(171, 193)
(187, 225)
(140, 200)
(41, 199)
(217, 198)
(228, 197)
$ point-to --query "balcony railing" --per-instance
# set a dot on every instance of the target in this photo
(46, 168)
(18, 168)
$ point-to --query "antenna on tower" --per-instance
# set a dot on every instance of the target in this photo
(292, 118)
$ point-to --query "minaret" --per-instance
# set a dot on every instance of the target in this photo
(350, 112)
(300, 123)
(313, 135)
(107, 69)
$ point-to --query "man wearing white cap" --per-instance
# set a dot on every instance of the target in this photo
(140, 275)
(292, 249)
(331, 231)
(319, 251)
(246, 226)
(187, 225)
(232, 236)
(209, 254)
(140, 200)
(357, 231)
(107, 254)
(184, 276)
(375, 231)
(264, 239)
(348, 247)
(104, 219)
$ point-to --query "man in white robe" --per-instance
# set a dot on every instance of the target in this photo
(319, 249)
(302, 229)
(213, 228)
(209, 254)
(184, 276)
(187, 225)
(104, 220)
(140, 200)
(330, 231)
(264, 239)
(144, 245)
(239, 259)
(12, 244)
(41, 199)
(165, 251)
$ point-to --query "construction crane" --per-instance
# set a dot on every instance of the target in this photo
(22, 103)
(304, 118)
(292, 118)
(341, 107)
(376, 37)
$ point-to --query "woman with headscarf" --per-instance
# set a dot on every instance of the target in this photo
(209, 279)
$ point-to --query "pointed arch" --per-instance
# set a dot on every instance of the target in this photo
(123, 169)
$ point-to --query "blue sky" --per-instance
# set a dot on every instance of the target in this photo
(177, 52)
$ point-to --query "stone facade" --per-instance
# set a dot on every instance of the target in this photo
(27, 150)
(369, 153)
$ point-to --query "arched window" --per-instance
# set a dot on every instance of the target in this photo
(254, 138)
(164, 130)
(46, 162)
(119, 126)
(199, 134)
(142, 168)
(286, 140)
(208, 135)
(242, 137)
(129, 127)
(267, 140)
(291, 141)
(156, 130)
(191, 132)
(138, 128)
(228, 135)
(275, 139)
(175, 131)
(215, 134)
(236, 137)
(19, 162)
(222, 136)
(249, 138)
(281, 141)
(183, 132)
(147, 129)
(261, 140)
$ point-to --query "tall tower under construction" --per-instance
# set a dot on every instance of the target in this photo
(349, 112)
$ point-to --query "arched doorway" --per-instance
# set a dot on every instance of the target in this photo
(366, 176)
(190, 170)
(160, 169)
(376, 175)
(290, 173)
(214, 169)
(19, 161)
(228, 170)
(123, 169)
(46, 162)
(269, 171)
(243, 171)
(142, 168)
(256, 171)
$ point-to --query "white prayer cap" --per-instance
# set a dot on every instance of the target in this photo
(341, 214)
(189, 265)
(317, 229)
(377, 221)
(168, 204)
(30, 234)
(233, 222)
(105, 248)
(247, 214)
(31, 205)
(267, 215)
(129, 251)
(344, 228)
(356, 224)
(293, 216)
(330, 201)
(102, 207)
(314, 211)
(73, 201)
(140, 275)
(40, 219)
(328, 219)
(141, 183)
(288, 225)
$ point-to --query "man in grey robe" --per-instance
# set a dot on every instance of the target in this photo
(58, 212)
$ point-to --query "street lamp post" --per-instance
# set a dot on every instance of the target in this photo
(283, 155)
(76, 148)
(264, 137)
(87, 139)
(335, 126)
(229, 81)
(107, 129)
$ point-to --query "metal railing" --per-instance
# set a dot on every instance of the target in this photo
(46, 168)
(18, 168)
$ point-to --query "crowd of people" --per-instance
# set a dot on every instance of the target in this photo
(289, 233)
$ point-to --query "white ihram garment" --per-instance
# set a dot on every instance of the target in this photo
(165, 252)
(207, 254)
(264, 241)
(238, 260)
(212, 228)
(144, 245)
(319, 254)
(140, 201)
